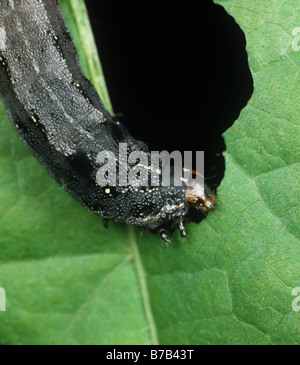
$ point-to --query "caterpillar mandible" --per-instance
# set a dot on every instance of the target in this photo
(61, 119)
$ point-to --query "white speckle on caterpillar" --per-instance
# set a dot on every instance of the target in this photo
(2, 39)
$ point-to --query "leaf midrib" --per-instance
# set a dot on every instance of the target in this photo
(140, 272)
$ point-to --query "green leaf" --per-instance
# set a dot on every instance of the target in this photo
(68, 280)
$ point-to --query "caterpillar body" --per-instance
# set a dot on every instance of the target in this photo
(61, 119)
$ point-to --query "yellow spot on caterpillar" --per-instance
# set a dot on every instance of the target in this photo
(107, 191)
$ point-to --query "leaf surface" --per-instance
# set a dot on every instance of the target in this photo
(68, 280)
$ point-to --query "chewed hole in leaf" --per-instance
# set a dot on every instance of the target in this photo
(177, 73)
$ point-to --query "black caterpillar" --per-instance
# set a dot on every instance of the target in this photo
(59, 116)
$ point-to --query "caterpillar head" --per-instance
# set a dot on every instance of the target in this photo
(200, 197)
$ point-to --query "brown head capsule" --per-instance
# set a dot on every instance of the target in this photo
(200, 197)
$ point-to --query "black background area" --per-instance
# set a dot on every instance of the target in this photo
(176, 72)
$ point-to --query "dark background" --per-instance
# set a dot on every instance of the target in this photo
(176, 72)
